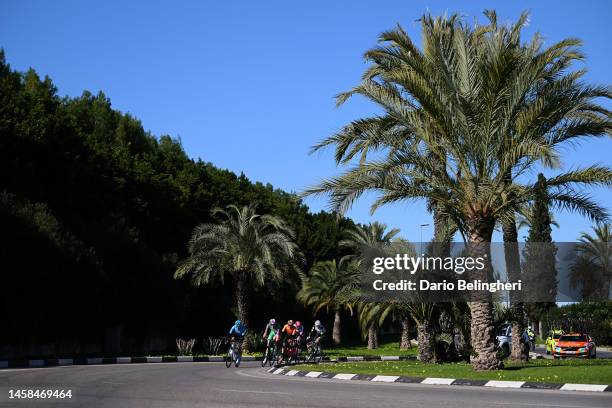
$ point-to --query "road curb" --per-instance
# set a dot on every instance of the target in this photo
(441, 381)
(55, 362)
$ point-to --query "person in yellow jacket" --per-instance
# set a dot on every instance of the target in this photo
(551, 340)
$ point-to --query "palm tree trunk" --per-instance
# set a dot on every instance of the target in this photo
(425, 338)
(242, 303)
(513, 269)
(540, 329)
(373, 335)
(480, 230)
(405, 337)
(336, 333)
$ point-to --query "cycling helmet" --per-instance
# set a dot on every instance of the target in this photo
(272, 321)
(290, 322)
(238, 323)
(317, 323)
(298, 324)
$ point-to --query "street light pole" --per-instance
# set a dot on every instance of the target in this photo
(422, 225)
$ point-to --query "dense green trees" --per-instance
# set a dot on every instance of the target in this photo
(96, 213)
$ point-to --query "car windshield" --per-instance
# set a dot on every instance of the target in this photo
(573, 338)
(556, 336)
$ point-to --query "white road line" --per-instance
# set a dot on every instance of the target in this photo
(314, 374)
(584, 387)
(292, 372)
(504, 384)
(437, 381)
(255, 391)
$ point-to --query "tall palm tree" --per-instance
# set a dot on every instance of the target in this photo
(489, 116)
(592, 269)
(326, 287)
(249, 247)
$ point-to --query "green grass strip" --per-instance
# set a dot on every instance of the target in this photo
(549, 371)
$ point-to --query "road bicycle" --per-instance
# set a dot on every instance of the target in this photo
(233, 353)
(313, 352)
(289, 354)
(270, 354)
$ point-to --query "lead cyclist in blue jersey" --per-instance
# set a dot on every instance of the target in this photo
(237, 333)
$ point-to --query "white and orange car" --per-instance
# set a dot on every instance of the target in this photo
(575, 345)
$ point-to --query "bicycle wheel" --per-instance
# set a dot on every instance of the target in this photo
(264, 360)
(273, 356)
(229, 358)
(317, 355)
(310, 356)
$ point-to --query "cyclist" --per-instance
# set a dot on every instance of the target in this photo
(270, 332)
(299, 335)
(288, 334)
(317, 331)
(300, 329)
(237, 333)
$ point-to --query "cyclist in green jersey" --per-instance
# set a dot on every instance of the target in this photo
(270, 332)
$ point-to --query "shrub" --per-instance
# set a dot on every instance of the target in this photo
(212, 345)
(184, 346)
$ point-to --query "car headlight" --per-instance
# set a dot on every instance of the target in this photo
(557, 348)
(582, 349)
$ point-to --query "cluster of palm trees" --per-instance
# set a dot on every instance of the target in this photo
(466, 120)
(334, 285)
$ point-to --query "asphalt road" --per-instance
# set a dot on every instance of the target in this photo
(211, 385)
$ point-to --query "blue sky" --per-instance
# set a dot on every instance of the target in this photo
(249, 86)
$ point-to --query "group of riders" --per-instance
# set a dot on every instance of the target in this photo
(289, 340)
